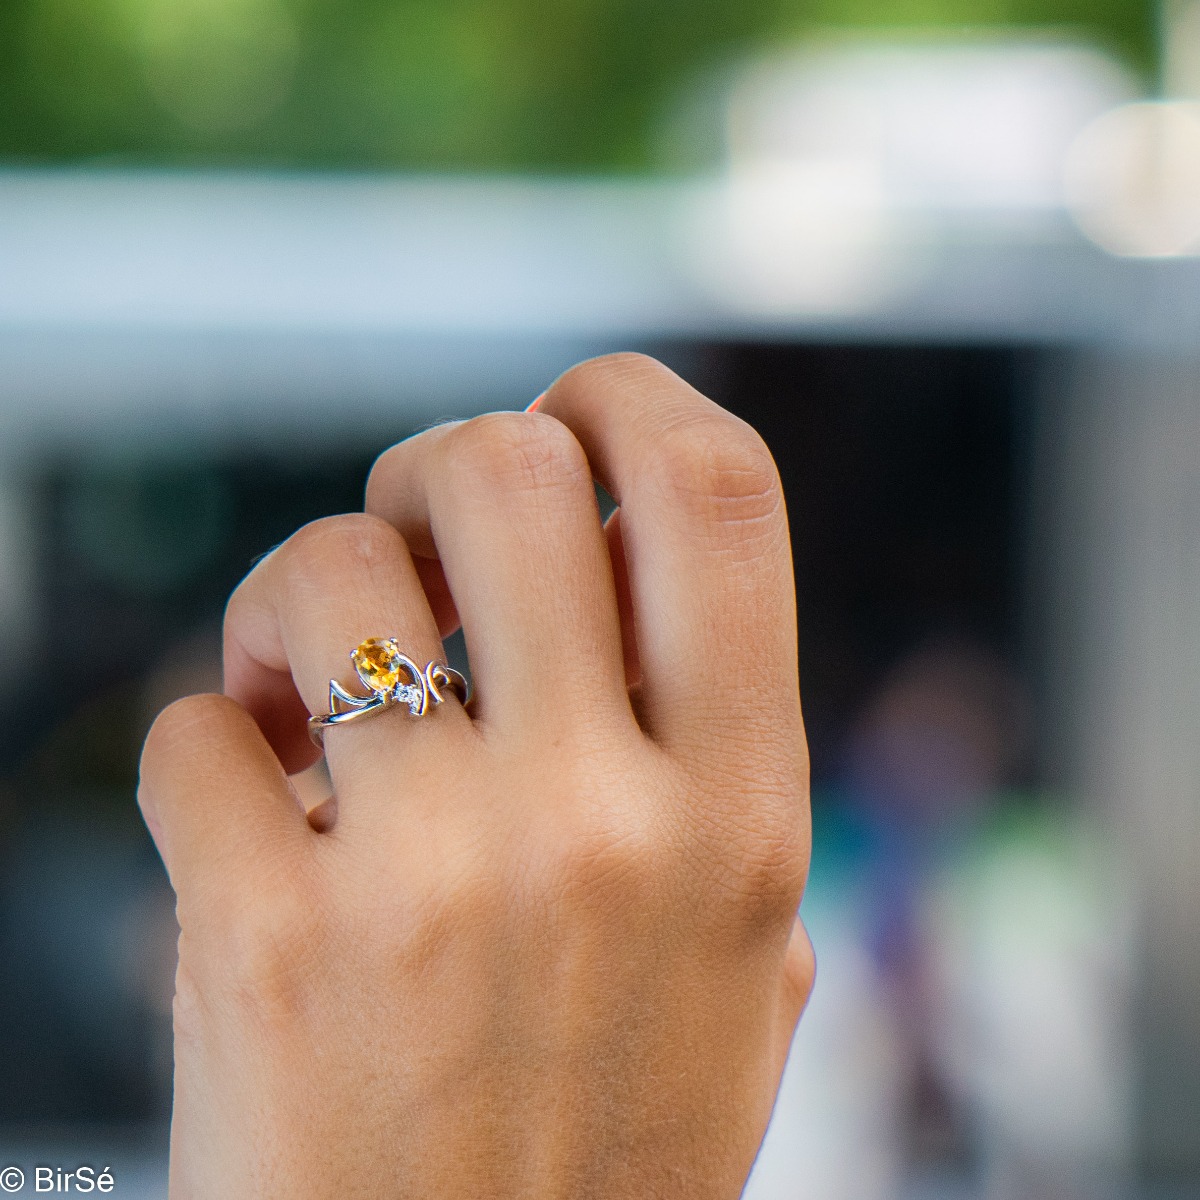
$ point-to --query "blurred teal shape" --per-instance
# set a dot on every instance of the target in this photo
(147, 528)
(1014, 1011)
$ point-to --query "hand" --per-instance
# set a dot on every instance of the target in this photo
(548, 949)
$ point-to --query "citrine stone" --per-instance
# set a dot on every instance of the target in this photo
(378, 664)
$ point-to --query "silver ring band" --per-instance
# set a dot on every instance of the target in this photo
(391, 678)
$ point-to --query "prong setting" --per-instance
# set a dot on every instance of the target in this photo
(391, 678)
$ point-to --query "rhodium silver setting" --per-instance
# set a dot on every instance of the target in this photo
(392, 679)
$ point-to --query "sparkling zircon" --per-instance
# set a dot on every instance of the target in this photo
(377, 662)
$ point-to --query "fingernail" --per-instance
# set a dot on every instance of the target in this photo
(534, 406)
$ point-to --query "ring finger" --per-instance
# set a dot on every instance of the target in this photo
(295, 619)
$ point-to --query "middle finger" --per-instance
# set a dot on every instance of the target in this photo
(506, 502)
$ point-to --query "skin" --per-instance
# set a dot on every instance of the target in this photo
(547, 949)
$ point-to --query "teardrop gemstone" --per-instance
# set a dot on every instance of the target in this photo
(378, 663)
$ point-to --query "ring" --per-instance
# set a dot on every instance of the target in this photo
(392, 678)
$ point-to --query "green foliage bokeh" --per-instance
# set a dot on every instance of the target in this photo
(574, 85)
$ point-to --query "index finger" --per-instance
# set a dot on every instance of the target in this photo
(707, 550)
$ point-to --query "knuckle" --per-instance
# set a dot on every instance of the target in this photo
(347, 546)
(470, 895)
(346, 539)
(757, 865)
(380, 477)
(750, 878)
(624, 368)
(181, 722)
(771, 867)
(395, 473)
(720, 472)
(527, 452)
(800, 965)
(187, 1006)
(618, 858)
(267, 950)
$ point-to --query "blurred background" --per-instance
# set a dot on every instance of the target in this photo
(942, 253)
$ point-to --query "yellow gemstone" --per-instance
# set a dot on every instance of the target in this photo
(377, 662)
